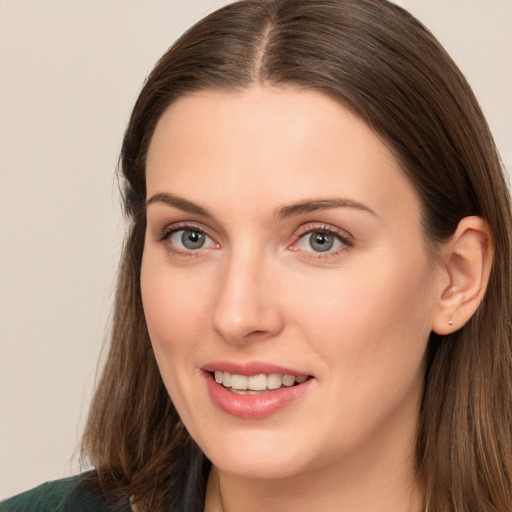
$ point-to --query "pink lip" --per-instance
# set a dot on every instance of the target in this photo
(253, 406)
(252, 368)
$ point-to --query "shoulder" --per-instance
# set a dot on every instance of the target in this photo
(75, 494)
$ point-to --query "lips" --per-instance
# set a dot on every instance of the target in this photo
(254, 390)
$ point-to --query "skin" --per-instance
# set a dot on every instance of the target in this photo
(356, 318)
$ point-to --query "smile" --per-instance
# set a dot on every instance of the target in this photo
(255, 391)
(253, 384)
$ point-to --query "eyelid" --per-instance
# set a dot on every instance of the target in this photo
(313, 227)
(169, 229)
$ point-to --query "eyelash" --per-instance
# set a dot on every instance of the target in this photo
(343, 237)
(172, 229)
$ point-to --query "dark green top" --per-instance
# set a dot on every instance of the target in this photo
(82, 494)
(75, 494)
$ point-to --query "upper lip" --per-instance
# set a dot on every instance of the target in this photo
(251, 368)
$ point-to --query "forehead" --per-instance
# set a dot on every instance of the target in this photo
(271, 145)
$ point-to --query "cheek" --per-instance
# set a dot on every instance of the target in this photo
(371, 332)
(176, 311)
(370, 318)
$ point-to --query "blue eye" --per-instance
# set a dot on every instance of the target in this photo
(189, 239)
(321, 241)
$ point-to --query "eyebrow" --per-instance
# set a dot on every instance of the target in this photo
(178, 202)
(283, 212)
(314, 205)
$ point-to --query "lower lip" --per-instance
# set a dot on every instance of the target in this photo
(254, 406)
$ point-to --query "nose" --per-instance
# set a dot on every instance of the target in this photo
(246, 307)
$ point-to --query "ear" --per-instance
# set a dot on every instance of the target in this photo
(465, 265)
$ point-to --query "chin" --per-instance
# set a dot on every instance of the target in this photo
(268, 469)
(256, 456)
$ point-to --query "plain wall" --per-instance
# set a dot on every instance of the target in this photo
(70, 71)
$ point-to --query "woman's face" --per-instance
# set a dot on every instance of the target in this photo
(284, 241)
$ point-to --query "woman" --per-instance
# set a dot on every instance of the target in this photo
(313, 307)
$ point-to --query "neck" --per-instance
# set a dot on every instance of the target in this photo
(373, 481)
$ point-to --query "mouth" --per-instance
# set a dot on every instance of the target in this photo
(254, 390)
(256, 384)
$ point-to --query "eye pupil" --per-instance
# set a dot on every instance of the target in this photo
(192, 239)
(321, 242)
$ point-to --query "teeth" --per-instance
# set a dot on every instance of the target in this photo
(259, 382)
(239, 381)
(226, 379)
(288, 380)
(274, 381)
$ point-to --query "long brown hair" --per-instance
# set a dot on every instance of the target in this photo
(377, 60)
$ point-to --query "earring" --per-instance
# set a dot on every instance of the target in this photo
(450, 322)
